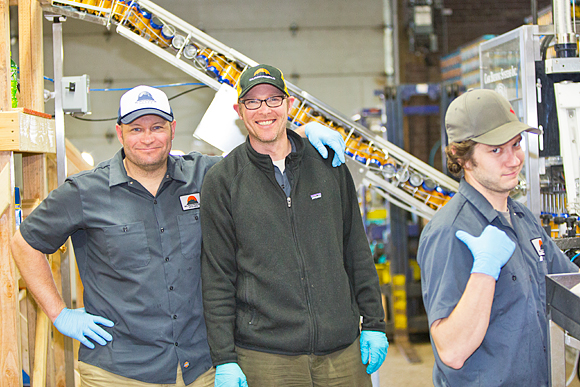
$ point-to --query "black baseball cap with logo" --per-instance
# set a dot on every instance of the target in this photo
(259, 74)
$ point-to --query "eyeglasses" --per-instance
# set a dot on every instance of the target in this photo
(255, 104)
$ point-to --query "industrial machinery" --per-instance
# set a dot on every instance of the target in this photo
(396, 175)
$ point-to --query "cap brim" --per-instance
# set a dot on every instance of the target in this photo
(127, 119)
(268, 81)
(504, 133)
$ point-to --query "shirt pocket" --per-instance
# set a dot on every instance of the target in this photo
(127, 245)
(190, 234)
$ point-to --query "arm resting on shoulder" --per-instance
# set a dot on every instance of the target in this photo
(35, 270)
(456, 337)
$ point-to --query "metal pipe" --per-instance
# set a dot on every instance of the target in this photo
(389, 43)
(562, 21)
(65, 266)
(534, 12)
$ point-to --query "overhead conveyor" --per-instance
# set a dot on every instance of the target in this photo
(396, 175)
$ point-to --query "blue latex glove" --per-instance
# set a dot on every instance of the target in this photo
(229, 375)
(491, 250)
(77, 323)
(320, 135)
(373, 349)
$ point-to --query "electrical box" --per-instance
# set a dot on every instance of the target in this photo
(75, 94)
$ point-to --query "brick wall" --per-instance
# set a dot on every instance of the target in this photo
(473, 18)
(470, 20)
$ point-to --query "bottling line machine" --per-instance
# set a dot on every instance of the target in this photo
(395, 174)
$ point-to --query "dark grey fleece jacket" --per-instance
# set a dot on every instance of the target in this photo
(285, 275)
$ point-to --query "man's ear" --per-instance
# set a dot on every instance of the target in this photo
(119, 130)
(237, 109)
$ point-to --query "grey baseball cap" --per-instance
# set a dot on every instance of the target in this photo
(483, 116)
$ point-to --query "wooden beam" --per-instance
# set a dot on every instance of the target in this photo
(31, 55)
(10, 367)
(58, 347)
(41, 2)
(37, 57)
(34, 177)
(5, 96)
(41, 349)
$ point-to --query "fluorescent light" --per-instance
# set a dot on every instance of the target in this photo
(88, 158)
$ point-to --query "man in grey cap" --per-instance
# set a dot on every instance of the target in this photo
(484, 256)
(135, 227)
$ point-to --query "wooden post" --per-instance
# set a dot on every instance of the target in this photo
(10, 368)
(5, 75)
(30, 55)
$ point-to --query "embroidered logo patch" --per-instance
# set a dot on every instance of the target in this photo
(190, 202)
(539, 246)
(316, 196)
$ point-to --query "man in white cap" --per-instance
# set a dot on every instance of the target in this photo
(485, 295)
(135, 227)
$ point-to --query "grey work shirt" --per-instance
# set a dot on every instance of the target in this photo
(139, 260)
(513, 352)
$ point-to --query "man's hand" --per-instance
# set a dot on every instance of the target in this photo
(491, 250)
(229, 375)
(373, 349)
(320, 135)
(77, 323)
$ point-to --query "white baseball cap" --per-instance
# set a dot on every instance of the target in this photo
(143, 100)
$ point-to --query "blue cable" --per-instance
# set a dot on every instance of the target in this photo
(129, 88)
(158, 87)
(574, 257)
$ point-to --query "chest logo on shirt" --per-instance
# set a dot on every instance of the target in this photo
(316, 196)
(539, 246)
(190, 201)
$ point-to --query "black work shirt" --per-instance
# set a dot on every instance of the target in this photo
(139, 260)
(513, 351)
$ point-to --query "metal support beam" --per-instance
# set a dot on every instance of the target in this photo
(58, 58)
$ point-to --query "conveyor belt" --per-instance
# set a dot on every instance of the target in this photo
(395, 174)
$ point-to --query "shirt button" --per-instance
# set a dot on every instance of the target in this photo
(162, 229)
(176, 344)
(514, 277)
(171, 288)
(196, 217)
(154, 201)
(166, 259)
(175, 317)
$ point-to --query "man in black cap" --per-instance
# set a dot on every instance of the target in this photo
(286, 266)
(485, 295)
(135, 227)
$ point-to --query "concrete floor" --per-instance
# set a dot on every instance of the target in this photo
(396, 371)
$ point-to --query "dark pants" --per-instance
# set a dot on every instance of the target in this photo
(342, 368)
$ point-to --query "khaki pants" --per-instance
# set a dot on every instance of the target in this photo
(92, 376)
(342, 368)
